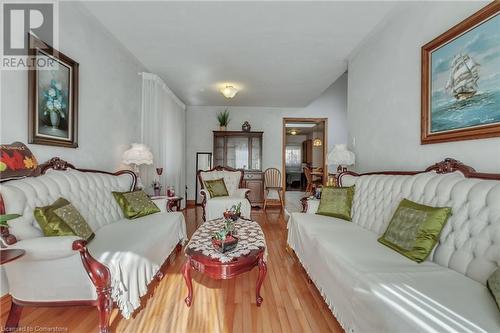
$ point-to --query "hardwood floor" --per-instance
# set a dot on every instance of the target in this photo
(291, 303)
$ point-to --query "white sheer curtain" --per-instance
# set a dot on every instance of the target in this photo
(163, 124)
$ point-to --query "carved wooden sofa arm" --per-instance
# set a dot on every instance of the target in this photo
(7, 237)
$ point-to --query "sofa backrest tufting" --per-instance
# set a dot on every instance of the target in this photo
(89, 192)
(470, 241)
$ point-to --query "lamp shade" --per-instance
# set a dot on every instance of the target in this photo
(339, 155)
(138, 154)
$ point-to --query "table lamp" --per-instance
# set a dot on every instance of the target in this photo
(138, 154)
(341, 156)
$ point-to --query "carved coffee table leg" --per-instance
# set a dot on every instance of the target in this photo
(186, 272)
(260, 279)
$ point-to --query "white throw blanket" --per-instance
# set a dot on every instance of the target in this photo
(127, 288)
(134, 251)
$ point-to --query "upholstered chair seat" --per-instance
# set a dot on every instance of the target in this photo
(214, 207)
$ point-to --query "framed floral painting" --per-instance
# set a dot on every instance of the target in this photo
(461, 80)
(52, 96)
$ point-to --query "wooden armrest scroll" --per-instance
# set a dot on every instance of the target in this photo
(99, 274)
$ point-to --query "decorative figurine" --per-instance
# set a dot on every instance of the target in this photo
(246, 127)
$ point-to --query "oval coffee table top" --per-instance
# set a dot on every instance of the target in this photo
(251, 242)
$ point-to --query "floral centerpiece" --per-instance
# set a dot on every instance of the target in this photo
(54, 105)
(234, 213)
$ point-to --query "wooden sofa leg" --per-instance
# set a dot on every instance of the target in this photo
(101, 278)
(14, 316)
(104, 307)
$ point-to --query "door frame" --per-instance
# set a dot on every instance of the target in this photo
(283, 147)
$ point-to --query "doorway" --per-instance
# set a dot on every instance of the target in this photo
(304, 158)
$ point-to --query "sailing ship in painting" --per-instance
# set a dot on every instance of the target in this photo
(464, 74)
(465, 80)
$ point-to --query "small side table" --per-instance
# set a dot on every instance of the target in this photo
(8, 255)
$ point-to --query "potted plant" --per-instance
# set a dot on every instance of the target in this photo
(224, 240)
(223, 118)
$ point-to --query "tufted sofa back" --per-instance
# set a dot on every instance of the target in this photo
(89, 192)
(470, 241)
(231, 178)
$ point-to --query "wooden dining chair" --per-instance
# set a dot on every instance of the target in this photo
(272, 182)
(311, 183)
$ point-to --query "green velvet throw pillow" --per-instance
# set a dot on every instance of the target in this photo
(336, 202)
(216, 188)
(62, 219)
(414, 229)
(493, 284)
(135, 204)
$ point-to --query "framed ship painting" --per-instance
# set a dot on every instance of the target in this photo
(52, 96)
(461, 80)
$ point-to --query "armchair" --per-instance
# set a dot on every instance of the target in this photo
(214, 207)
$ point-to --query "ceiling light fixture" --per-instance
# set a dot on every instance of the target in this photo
(293, 132)
(229, 91)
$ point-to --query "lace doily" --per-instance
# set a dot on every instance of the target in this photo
(249, 234)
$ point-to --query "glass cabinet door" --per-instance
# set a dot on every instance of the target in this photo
(237, 152)
(219, 151)
(256, 153)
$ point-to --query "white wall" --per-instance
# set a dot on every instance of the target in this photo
(384, 93)
(110, 97)
(201, 121)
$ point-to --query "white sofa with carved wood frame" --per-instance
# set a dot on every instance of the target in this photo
(115, 267)
(371, 288)
(233, 178)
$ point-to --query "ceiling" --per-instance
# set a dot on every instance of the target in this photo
(276, 53)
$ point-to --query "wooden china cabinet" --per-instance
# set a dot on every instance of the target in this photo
(242, 150)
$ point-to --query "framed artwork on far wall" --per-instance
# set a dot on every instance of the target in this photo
(461, 80)
(52, 96)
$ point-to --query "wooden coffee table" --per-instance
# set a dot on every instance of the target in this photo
(216, 269)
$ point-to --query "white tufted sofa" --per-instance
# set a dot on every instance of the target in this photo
(214, 207)
(116, 266)
(371, 288)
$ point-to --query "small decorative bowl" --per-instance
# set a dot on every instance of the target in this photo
(227, 245)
